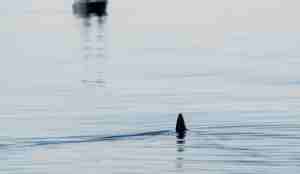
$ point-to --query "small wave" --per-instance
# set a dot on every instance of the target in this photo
(271, 125)
(3, 145)
(253, 134)
(273, 130)
(294, 82)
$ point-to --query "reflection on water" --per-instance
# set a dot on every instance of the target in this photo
(93, 46)
(181, 137)
(180, 143)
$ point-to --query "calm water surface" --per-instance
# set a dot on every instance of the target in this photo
(101, 95)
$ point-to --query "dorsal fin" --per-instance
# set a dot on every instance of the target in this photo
(180, 125)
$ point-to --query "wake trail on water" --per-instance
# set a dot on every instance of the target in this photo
(44, 141)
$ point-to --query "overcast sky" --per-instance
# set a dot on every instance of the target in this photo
(229, 15)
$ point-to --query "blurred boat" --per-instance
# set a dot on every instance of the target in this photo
(90, 7)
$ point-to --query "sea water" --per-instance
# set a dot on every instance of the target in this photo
(101, 94)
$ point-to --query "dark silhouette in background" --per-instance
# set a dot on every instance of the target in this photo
(88, 8)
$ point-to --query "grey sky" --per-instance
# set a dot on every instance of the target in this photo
(229, 15)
